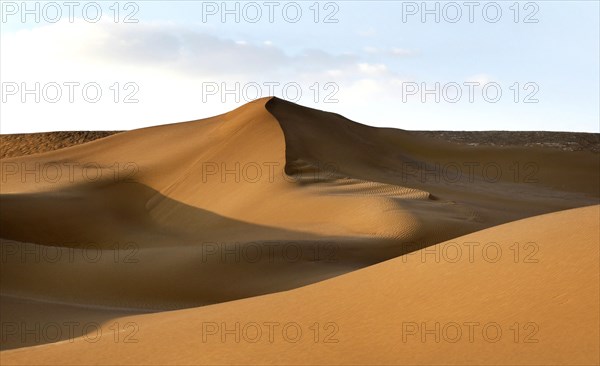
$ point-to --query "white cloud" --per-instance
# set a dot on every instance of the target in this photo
(370, 49)
(480, 78)
(372, 69)
(368, 32)
(402, 52)
(169, 65)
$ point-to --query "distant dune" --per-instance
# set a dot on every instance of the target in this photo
(13, 145)
(35, 143)
(159, 229)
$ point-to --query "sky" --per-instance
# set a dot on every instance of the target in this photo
(415, 65)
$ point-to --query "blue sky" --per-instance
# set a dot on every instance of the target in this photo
(368, 59)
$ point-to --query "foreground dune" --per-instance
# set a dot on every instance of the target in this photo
(269, 197)
(536, 307)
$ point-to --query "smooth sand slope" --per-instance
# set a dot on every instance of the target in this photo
(539, 307)
(266, 198)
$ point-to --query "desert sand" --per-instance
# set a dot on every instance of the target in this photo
(186, 243)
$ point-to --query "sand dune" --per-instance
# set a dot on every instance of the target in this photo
(537, 308)
(273, 196)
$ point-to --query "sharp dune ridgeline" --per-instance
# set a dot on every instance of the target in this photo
(280, 234)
